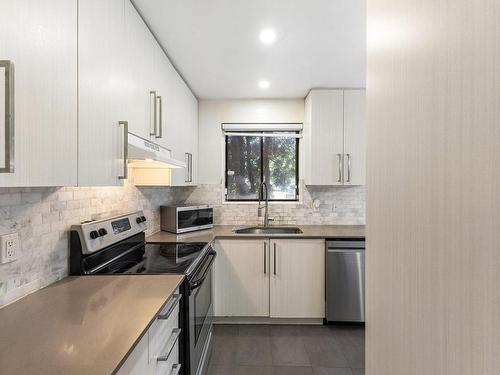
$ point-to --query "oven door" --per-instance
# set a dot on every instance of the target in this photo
(201, 315)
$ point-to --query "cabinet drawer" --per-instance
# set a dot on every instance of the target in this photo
(165, 330)
(170, 366)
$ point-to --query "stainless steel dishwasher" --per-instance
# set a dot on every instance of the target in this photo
(345, 280)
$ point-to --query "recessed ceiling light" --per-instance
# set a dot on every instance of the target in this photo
(264, 84)
(267, 36)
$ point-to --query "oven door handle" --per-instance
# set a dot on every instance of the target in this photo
(196, 284)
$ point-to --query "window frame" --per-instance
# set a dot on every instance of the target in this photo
(261, 192)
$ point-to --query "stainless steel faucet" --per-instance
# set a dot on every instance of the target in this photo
(266, 206)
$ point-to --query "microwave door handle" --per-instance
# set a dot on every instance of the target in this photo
(195, 284)
(177, 219)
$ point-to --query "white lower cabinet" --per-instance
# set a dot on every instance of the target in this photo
(297, 278)
(157, 353)
(242, 278)
(137, 361)
(277, 278)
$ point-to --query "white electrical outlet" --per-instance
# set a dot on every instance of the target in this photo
(9, 247)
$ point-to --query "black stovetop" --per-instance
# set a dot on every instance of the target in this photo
(167, 258)
(170, 258)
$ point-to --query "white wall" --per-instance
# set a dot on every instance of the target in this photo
(212, 113)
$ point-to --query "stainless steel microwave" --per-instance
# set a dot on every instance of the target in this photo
(186, 218)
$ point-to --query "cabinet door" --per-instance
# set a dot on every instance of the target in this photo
(179, 120)
(143, 74)
(187, 135)
(137, 361)
(323, 135)
(242, 278)
(297, 278)
(167, 104)
(103, 79)
(40, 39)
(354, 137)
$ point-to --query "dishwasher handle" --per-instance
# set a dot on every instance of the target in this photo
(332, 250)
(346, 244)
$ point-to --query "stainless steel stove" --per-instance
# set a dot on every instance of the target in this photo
(117, 245)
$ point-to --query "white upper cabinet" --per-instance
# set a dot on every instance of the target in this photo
(145, 75)
(334, 137)
(185, 135)
(39, 38)
(165, 110)
(103, 78)
(179, 115)
(354, 137)
(167, 93)
(139, 72)
(323, 136)
(124, 75)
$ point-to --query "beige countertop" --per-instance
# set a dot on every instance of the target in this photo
(226, 231)
(80, 325)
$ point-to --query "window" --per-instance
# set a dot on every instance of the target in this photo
(270, 157)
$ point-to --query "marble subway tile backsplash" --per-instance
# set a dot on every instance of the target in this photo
(335, 205)
(43, 216)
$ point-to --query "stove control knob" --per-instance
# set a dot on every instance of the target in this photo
(102, 232)
(94, 234)
(138, 220)
(143, 218)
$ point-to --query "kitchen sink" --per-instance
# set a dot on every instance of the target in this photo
(268, 230)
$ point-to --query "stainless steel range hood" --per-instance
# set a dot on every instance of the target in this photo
(145, 154)
(149, 163)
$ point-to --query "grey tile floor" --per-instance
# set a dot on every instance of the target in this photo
(287, 350)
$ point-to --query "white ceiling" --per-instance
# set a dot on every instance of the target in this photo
(215, 44)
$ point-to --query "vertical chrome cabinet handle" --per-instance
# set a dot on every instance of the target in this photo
(340, 167)
(188, 157)
(274, 245)
(160, 118)
(9, 111)
(124, 176)
(265, 256)
(348, 167)
(153, 93)
(190, 167)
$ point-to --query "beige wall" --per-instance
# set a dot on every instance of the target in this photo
(212, 113)
(433, 187)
